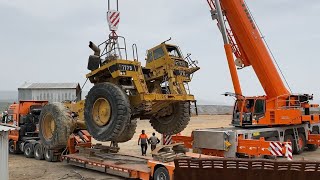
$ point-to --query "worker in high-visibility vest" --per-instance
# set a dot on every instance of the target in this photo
(143, 141)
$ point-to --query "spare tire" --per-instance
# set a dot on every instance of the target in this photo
(128, 132)
(107, 111)
(55, 126)
(173, 122)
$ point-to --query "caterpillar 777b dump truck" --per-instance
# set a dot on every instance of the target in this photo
(124, 91)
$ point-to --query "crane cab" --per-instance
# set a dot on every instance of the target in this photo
(248, 111)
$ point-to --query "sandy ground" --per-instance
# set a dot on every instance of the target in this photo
(22, 168)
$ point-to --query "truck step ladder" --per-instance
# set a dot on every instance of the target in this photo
(296, 138)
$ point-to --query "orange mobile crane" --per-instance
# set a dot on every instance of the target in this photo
(277, 116)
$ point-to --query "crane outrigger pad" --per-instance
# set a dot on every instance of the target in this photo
(229, 169)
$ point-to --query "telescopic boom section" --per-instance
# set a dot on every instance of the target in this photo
(252, 47)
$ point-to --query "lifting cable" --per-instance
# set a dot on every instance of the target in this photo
(266, 43)
(81, 89)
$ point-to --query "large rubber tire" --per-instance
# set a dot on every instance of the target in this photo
(302, 144)
(12, 149)
(313, 147)
(38, 152)
(289, 138)
(28, 150)
(56, 125)
(128, 132)
(117, 116)
(49, 156)
(174, 123)
(161, 173)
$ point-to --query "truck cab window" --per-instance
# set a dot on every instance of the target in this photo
(149, 57)
(173, 51)
(158, 53)
(259, 107)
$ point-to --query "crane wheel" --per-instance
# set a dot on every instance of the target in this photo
(56, 125)
(161, 173)
(301, 143)
(174, 122)
(128, 132)
(313, 147)
(38, 152)
(107, 111)
(28, 151)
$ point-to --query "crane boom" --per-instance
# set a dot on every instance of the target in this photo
(252, 48)
(243, 40)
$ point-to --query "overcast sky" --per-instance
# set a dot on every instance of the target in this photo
(47, 41)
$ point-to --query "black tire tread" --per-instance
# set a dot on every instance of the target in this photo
(41, 155)
(295, 151)
(27, 146)
(182, 118)
(128, 132)
(121, 107)
(65, 125)
(162, 170)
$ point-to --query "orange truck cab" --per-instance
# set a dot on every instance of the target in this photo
(25, 115)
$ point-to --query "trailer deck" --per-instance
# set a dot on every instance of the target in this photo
(122, 165)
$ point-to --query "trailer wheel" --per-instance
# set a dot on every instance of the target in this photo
(28, 150)
(107, 111)
(12, 149)
(38, 152)
(313, 147)
(56, 125)
(174, 122)
(128, 132)
(301, 143)
(161, 174)
(49, 155)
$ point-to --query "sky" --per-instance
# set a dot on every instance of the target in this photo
(47, 41)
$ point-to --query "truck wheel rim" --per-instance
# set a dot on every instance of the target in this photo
(101, 112)
(11, 148)
(47, 154)
(28, 151)
(162, 176)
(37, 153)
(49, 126)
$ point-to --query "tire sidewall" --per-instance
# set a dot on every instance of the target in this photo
(163, 171)
(11, 150)
(28, 150)
(38, 152)
(63, 126)
(50, 141)
(48, 156)
(106, 91)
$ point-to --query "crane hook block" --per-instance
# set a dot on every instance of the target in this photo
(113, 18)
